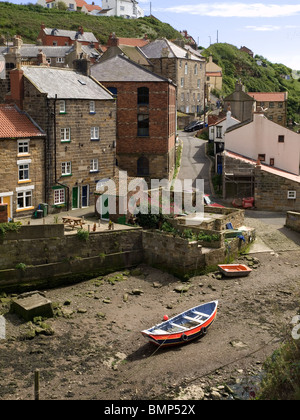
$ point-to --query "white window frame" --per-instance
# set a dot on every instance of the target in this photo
(292, 195)
(186, 68)
(23, 167)
(23, 147)
(66, 168)
(60, 59)
(95, 133)
(59, 196)
(92, 107)
(94, 165)
(24, 196)
(65, 134)
(219, 132)
(62, 107)
(182, 82)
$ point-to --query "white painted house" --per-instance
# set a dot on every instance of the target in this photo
(262, 139)
(128, 9)
(218, 129)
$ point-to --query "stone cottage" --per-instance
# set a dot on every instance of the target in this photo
(185, 69)
(22, 157)
(79, 118)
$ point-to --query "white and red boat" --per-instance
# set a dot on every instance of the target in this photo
(184, 327)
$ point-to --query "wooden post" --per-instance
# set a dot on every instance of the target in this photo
(37, 385)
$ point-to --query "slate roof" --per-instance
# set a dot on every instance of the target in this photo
(121, 69)
(31, 50)
(16, 123)
(157, 49)
(65, 83)
(74, 35)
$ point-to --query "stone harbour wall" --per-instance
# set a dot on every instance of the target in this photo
(44, 257)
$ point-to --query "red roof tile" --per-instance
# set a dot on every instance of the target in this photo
(134, 42)
(269, 96)
(15, 123)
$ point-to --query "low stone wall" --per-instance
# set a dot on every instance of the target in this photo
(46, 262)
(293, 220)
(271, 192)
(185, 259)
(49, 261)
(175, 255)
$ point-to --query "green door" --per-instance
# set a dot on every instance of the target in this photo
(104, 207)
(75, 198)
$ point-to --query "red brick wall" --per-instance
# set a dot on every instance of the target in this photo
(162, 117)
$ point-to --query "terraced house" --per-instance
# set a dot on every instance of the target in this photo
(78, 116)
(22, 153)
(185, 69)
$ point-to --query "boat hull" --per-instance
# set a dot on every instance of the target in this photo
(234, 270)
(180, 338)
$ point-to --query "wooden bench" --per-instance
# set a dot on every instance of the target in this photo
(73, 221)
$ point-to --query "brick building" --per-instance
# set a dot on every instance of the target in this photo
(146, 117)
(62, 37)
(79, 117)
(185, 69)
(22, 153)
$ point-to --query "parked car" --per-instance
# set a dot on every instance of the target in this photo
(194, 126)
(208, 202)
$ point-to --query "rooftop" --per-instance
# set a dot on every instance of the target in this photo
(269, 96)
(74, 35)
(15, 123)
(266, 168)
(164, 48)
(121, 69)
(65, 83)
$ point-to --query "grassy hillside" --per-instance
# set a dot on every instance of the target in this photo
(26, 21)
(265, 78)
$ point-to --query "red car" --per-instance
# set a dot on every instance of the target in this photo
(208, 202)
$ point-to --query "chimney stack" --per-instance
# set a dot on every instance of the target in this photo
(16, 94)
(41, 58)
(113, 41)
(83, 66)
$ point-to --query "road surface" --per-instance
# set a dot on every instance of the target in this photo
(194, 162)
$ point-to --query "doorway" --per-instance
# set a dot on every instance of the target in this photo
(85, 196)
(7, 199)
(75, 198)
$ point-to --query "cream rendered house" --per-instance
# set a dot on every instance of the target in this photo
(214, 75)
(266, 141)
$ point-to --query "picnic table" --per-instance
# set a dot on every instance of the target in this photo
(73, 221)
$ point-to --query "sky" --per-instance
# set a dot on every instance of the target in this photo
(270, 28)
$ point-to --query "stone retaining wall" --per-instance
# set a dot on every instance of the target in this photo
(293, 220)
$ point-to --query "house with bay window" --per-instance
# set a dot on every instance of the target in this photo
(22, 151)
(79, 117)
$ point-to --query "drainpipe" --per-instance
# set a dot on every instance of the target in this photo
(55, 152)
